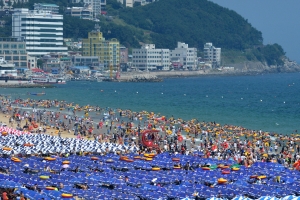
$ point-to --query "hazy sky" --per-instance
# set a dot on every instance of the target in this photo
(278, 20)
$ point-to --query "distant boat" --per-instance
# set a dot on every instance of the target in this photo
(38, 94)
(47, 80)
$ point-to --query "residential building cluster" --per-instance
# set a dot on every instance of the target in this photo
(38, 33)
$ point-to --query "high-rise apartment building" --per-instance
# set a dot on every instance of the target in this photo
(108, 51)
(41, 30)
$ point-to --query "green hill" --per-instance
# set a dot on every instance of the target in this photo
(166, 22)
(194, 22)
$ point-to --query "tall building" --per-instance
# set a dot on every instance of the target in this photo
(149, 58)
(99, 6)
(42, 31)
(212, 54)
(108, 51)
(184, 56)
(47, 7)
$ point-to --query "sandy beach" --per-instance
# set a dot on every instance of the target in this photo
(60, 141)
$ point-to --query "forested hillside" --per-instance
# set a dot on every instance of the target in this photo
(194, 22)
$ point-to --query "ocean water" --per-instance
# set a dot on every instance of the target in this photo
(270, 102)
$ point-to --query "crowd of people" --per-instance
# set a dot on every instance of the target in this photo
(107, 125)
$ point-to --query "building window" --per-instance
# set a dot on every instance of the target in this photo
(5, 46)
(23, 64)
(13, 46)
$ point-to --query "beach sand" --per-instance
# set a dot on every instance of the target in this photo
(4, 118)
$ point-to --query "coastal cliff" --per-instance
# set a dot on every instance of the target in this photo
(251, 66)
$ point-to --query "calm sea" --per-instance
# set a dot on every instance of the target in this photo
(268, 102)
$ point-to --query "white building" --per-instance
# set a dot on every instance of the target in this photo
(42, 31)
(212, 54)
(81, 12)
(47, 7)
(149, 58)
(98, 6)
(184, 56)
(129, 3)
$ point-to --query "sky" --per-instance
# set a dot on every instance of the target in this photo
(278, 20)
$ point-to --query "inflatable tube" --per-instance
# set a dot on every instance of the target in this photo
(220, 166)
(7, 148)
(109, 161)
(15, 159)
(222, 181)
(137, 157)
(155, 168)
(235, 169)
(28, 145)
(261, 177)
(50, 158)
(225, 172)
(64, 195)
(66, 162)
(149, 155)
(50, 188)
(224, 167)
(44, 177)
(148, 159)
(4, 133)
(128, 160)
(124, 158)
(253, 176)
(175, 159)
(177, 167)
(205, 168)
(94, 158)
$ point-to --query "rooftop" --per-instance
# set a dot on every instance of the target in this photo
(47, 4)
